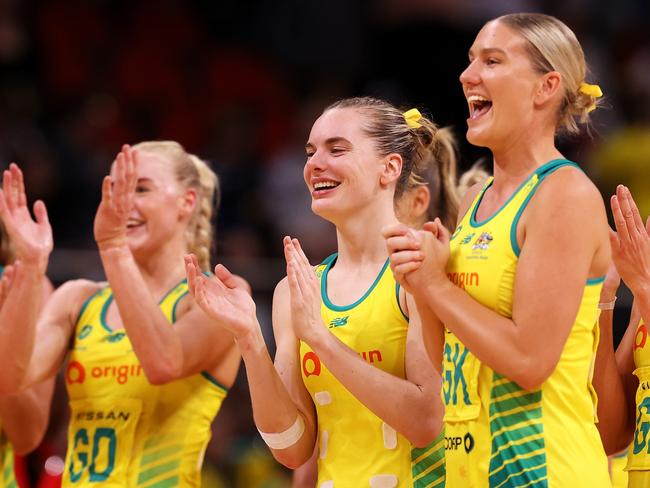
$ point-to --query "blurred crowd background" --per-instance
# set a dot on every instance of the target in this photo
(239, 84)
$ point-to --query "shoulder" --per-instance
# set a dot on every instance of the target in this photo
(70, 297)
(569, 191)
(79, 288)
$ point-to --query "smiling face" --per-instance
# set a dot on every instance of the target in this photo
(161, 209)
(500, 85)
(343, 171)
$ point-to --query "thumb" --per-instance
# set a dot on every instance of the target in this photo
(647, 225)
(443, 233)
(40, 212)
(225, 276)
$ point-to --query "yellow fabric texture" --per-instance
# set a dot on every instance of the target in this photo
(356, 447)
(638, 461)
(7, 479)
(498, 434)
(124, 431)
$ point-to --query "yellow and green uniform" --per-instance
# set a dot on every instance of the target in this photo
(356, 448)
(7, 479)
(638, 461)
(498, 434)
(124, 431)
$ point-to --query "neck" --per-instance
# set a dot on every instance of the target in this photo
(359, 236)
(516, 160)
(164, 267)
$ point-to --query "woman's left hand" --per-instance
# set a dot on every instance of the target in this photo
(118, 193)
(418, 258)
(304, 288)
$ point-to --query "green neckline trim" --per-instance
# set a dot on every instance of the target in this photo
(472, 220)
(596, 281)
(344, 308)
(110, 299)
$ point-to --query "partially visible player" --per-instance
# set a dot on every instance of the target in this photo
(147, 370)
(24, 415)
(623, 378)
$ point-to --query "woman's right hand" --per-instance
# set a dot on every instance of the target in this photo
(31, 239)
(222, 297)
(631, 242)
(118, 191)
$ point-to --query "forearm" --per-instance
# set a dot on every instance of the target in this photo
(412, 406)
(493, 338)
(24, 416)
(155, 343)
(274, 410)
(18, 318)
(642, 301)
(614, 424)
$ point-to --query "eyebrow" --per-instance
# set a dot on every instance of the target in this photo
(330, 141)
(488, 50)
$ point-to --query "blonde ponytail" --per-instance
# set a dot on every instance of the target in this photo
(200, 231)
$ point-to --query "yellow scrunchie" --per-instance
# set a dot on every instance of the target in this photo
(412, 117)
(592, 91)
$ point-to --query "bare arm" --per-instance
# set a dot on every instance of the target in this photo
(613, 375)
(560, 251)
(616, 405)
(32, 240)
(25, 416)
(278, 395)
(417, 410)
(166, 353)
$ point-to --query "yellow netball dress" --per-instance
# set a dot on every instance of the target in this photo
(638, 461)
(357, 449)
(498, 434)
(7, 479)
(125, 432)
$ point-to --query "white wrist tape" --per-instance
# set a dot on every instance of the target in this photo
(607, 305)
(282, 440)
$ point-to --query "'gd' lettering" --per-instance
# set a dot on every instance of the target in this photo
(103, 436)
(642, 428)
(453, 381)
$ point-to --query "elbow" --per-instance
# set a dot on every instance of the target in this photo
(530, 374)
(162, 373)
(425, 433)
(28, 441)
(614, 440)
(290, 458)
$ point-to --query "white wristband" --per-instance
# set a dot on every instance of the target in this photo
(282, 440)
(607, 305)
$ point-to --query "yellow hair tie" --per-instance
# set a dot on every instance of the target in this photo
(412, 117)
(591, 91)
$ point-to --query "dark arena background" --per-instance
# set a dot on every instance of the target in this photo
(239, 83)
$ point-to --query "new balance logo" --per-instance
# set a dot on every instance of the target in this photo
(339, 322)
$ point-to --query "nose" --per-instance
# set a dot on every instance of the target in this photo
(470, 75)
(316, 162)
